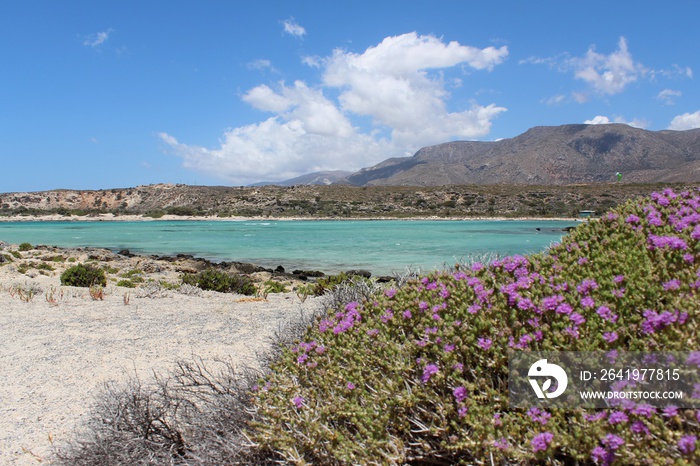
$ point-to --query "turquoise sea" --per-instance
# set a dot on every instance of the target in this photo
(380, 246)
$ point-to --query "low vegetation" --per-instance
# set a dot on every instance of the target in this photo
(417, 374)
(83, 275)
(223, 282)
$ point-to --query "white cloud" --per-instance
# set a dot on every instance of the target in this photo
(292, 28)
(608, 74)
(685, 121)
(667, 96)
(389, 83)
(603, 120)
(95, 40)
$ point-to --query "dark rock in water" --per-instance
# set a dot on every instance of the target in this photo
(385, 279)
(244, 267)
(568, 229)
(538, 229)
(279, 269)
(184, 256)
(308, 273)
(361, 273)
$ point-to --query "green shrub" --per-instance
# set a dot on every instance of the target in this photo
(220, 281)
(25, 247)
(419, 374)
(126, 283)
(16, 254)
(272, 286)
(84, 276)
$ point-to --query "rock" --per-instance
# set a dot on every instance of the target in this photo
(126, 253)
(309, 273)
(361, 273)
(279, 269)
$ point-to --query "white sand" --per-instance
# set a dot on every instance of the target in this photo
(53, 358)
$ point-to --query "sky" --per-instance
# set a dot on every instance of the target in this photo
(105, 94)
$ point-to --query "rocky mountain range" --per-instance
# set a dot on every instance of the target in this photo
(546, 155)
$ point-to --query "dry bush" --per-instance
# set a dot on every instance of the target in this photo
(195, 415)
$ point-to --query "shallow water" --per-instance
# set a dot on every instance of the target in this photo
(381, 246)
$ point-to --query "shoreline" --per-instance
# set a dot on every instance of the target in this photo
(212, 218)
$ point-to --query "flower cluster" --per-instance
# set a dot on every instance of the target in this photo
(427, 362)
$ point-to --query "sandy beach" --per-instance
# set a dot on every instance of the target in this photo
(58, 345)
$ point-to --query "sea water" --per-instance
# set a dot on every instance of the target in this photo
(331, 246)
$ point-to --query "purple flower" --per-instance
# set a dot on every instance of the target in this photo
(449, 347)
(617, 417)
(619, 279)
(460, 393)
(350, 386)
(673, 242)
(670, 411)
(693, 358)
(484, 343)
(638, 427)
(429, 371)
(541, 441)
(539, 415)
(607, 314)
(582, 260)
(423, 305)
(686, 444)
(501, 444)
(672, 285)
(564, 308)
(587, 302)
(586, 286)
(613, 442)
(602, 456)
(577, 318)
(390, 293)
(644, 409)
(298, 401)
(595, 417)
(610, 336)
(462, 411)
(632, 219)
(407, 314)
(459, 367)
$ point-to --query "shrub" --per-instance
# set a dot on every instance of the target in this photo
(25, 247)
(419, 375)
(220, 281)
(272, 286)
(84, 276)
(126, 283)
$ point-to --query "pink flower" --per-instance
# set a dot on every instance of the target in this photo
(686, 444)
(429, 371)
(350, 386)
(298, 401)
(610, 336)
(587, 302)
(460, 394)
(484, 343)
(541, 441)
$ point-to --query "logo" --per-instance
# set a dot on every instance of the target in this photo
(543, 369)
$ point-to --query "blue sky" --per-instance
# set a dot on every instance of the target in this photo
(97, 94)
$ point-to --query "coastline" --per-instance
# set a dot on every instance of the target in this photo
(109, 217)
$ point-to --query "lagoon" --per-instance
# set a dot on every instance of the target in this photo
(331, 246)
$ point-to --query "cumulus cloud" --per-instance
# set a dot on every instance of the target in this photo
(686, 121)
(668, 96)
(308, 131)
(603, 120)
(97, 39)
(292, 28)
(608, 74)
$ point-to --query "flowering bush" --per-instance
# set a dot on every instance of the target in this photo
(419, 374)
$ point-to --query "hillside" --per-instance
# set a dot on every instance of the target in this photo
(334, 201)
(548, 155)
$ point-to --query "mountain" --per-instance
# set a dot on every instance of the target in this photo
(548, 155)
(316, 178)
